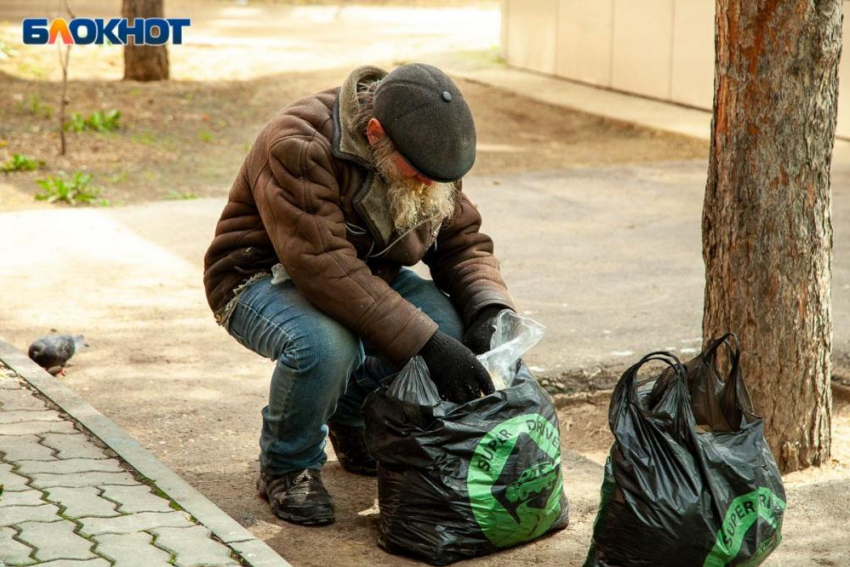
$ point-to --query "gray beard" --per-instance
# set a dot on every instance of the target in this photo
(410, 201)
(412, 204)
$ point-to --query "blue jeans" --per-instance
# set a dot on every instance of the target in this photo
(322, 372)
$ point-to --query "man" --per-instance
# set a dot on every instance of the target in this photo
(340, 191)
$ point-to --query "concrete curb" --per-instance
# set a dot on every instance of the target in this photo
(249, 549)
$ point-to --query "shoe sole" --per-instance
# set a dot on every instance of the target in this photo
(314, 520)
(302, 521)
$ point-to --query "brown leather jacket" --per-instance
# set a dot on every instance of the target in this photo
(307, 198)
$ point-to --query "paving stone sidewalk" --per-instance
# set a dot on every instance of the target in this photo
(67, 501)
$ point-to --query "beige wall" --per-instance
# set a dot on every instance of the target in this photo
(643, 43)
(692, 67)
(532, 34)
(843, 128)
(585, 37)
(658, 48)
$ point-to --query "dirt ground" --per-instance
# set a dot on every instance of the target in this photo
(158, 365)
(188, 139)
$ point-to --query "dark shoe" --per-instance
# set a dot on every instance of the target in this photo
(298, 497)
(350, 448)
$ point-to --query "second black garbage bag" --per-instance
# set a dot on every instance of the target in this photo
(690, 480)
(460, 481)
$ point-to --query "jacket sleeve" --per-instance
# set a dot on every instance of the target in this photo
(463, 264)
(297, 195)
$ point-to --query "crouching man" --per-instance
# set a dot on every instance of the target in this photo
(340, 192)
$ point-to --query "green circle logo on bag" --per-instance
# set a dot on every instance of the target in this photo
(514, 480)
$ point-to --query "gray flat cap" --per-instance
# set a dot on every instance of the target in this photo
(426, 117)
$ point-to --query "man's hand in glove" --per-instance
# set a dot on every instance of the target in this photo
(478, 334)
(455, 370)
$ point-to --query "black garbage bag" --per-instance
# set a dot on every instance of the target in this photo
(460, 481)
(690, 480)
(716, 403)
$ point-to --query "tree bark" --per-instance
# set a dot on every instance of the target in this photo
(144, 62)
(767, 227)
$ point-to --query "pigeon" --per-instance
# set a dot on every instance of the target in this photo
(53, 351)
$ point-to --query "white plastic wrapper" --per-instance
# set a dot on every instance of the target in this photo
(514, 336)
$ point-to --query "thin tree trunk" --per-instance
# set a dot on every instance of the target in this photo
(64, 60)
(144, 62)
(767, 228)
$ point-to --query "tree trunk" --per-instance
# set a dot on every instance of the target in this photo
(144, 62)
(767, 228)
(64, 60)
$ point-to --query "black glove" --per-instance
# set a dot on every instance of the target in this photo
(455, 370)
(478, 334)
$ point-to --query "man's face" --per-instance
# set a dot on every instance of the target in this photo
(412, 197)
(406, 171)
(397, 166)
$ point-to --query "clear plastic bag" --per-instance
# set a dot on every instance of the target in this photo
(514, 336)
